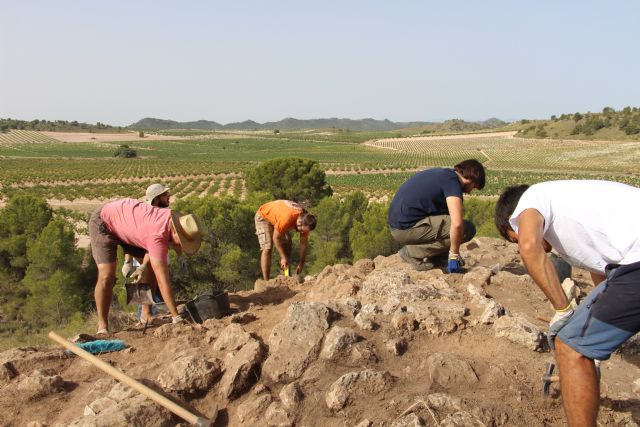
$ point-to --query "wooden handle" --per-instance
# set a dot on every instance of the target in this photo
(126, 379)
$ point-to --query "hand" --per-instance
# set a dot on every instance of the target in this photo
(138, 274)
(299, 269)
(559, 321)
(284, 263)
(127, 269)
(455, 263)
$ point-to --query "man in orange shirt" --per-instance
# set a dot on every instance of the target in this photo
(273, 222)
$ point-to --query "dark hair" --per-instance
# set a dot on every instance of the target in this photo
(308, 219)
(505, 206)
(472, 170)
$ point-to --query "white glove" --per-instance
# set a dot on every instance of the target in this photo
(138, 274)
(559, 321)
(177, 319)
(127, 269)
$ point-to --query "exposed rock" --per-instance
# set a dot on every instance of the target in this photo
(461, 419)
(435, 317)
(337, 342)
(520, 331)
(364, 266)
(570, 289)
(40, 382)
(277, 415)
(631, 347)
(251, 411)
(121, 392)
(384, 284)
(99, 405)
(240, 374)
(190, 374)
(365, 423)
(366, 382)
(492, 311)
(137, 411)
(291, 395)
(477, 276)
(362, 353)
(170, 330)
(295, 341)
(409, 420)
(444, 402)
(178, 347)
(397, 346)
(231, 338)
(7, 373)
(366, 318)
(448, 370)
(635, 387)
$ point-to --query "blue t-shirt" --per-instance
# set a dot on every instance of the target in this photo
(424, 194)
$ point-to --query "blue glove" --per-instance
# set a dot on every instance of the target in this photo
(455, 263)
(559, 321)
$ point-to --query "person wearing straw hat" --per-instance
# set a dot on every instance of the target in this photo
(139, 229)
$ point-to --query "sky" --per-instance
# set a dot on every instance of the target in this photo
(119, 61)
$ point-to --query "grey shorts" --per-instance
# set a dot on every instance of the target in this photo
(104, 245)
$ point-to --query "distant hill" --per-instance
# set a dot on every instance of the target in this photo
(608, 124)
(291, 123)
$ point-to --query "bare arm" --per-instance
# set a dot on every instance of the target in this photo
(541, 270)
(161, 271)
(304, 240)
(454, 204)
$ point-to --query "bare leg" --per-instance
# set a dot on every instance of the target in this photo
(150, 278)
(103, 292)
(265, 263)
(579, 384)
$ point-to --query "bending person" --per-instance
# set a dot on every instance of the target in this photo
(140, 229)
(563, 216)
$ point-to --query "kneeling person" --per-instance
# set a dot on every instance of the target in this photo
(274, 221)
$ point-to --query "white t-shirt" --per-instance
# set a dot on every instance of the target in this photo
(589, 223)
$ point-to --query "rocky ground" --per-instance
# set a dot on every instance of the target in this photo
(373, 344)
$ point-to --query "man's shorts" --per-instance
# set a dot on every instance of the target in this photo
(609, 316)
(264, 231)
(104, 245)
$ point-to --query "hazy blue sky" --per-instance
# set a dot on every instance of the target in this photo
(119, 61)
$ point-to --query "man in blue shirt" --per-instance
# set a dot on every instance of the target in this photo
(426, 214)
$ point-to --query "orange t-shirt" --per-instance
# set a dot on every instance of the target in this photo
(282, 214)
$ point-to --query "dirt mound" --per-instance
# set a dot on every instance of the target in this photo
(374, 344)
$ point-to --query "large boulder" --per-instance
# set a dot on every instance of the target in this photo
(520, 331)
(251, 411)
(137, 411)
(291, 395)
(391, 284)
(450, 370)
(355, 384)
(241, 372)
(231, 338)
(41, 382)
(190, 374)
(295, 342)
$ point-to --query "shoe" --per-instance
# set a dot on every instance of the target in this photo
(418, 265)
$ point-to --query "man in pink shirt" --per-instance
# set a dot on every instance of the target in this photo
(142, 230)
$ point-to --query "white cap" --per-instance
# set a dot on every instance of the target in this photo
(153, 191)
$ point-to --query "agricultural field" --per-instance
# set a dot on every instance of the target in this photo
(199, 163)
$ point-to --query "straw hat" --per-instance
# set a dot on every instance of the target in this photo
(153, 191)
(189, 231)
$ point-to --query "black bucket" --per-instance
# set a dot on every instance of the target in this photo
(208, 306)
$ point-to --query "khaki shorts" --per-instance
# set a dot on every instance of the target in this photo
(264, 231)
(104, 245)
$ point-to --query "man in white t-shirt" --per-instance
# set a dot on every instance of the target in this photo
(593, 225)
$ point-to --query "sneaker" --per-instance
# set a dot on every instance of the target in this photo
(418, 264)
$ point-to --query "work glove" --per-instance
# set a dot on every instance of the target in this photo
(177, 319)
(455, 263)
(559, 321)
(138, 274)
(127, 269)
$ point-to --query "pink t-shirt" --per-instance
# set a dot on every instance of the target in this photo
(139, 224)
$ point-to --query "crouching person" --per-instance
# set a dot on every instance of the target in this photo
(142, 231)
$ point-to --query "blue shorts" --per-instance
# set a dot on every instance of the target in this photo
(609, 316)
